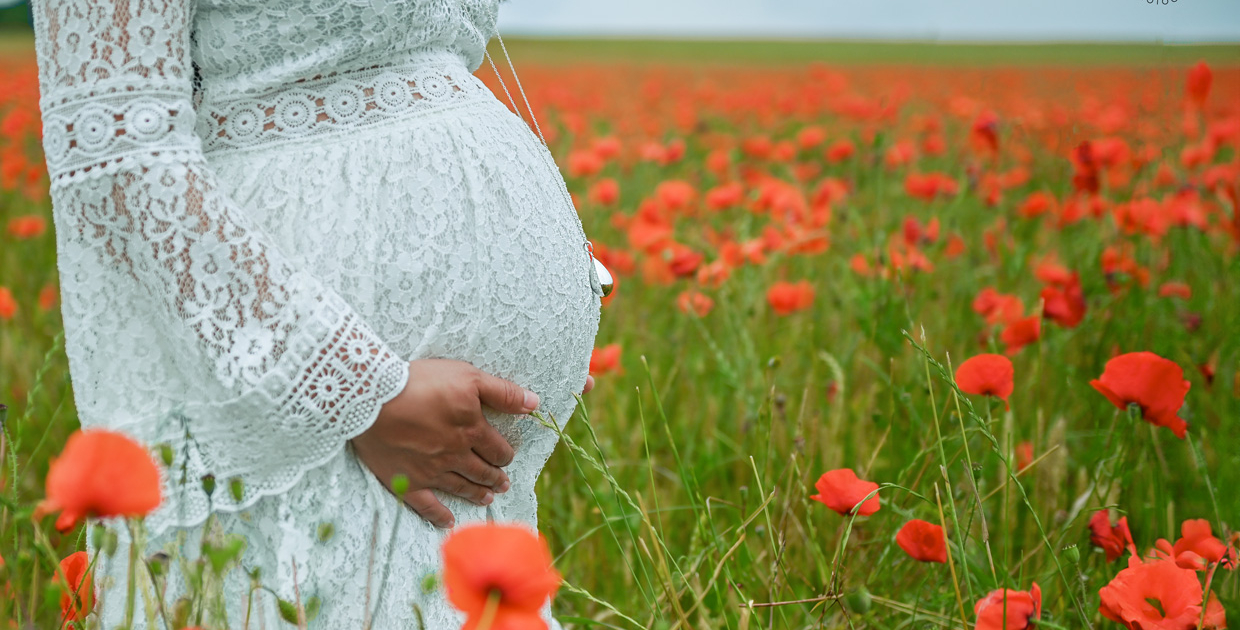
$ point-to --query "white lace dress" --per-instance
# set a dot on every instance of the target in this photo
(264, 209)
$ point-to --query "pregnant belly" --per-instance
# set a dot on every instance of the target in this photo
(451, 235)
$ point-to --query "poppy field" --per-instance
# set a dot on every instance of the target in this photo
(910, 344)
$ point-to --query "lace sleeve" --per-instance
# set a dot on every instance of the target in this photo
(294, 371)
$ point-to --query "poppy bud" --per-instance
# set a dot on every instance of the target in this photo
(180, 613)
(859, 601)
(208, 484)
(166, 454)
(288, 612)
(109, 543)
(430, 583)
(236, 489)
(313, 605)
(156, 563)
(326, 530)
(97, 534)
(400, 485)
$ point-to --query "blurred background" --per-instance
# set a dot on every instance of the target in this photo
(1170, 21)
(968, 20)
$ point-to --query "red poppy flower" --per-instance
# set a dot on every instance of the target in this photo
(695, 302)
(682, 260)
(605, 192)
(1085, 178)
(955, 246)
(1113, 539)
(675, 194)
(1037, 204)
(1050, 271)
(843, 492)
(1175, 289)
(840, 150)
(48, 296)
(997, 307)
(985, 134)
(27, 226)
(605, 359)
(1021, 332)
(607, 147)
(1021, 607)
(929, 186)
(725, 196)
(1064, 304)
(1197, 547)
(77, 603)
(584, 164)
(860, 265)
(787, 298)
(1198, 88)
(100, 473)
(1024, 455)
(900, 154)
(923, 541)
(1149, 381)
(8, 306)
(500, 574)
(1130, 598)
(986, 375)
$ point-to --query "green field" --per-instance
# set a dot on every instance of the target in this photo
(568, 50)
(863, 52)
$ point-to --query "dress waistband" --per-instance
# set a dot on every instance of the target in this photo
(338, 102)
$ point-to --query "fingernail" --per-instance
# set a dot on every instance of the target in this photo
(488, 498)
(450, 524)
(503, 487)
(531, 400)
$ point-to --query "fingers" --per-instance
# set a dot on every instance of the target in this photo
(505, 396)
(427, 505)
(453, 483)
(480, 472)
(492, 447)
(589, 385)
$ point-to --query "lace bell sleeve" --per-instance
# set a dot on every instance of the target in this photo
(286, 370)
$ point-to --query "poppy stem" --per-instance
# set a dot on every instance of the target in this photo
(1205, 596)
(490, 611)
(131, 587)
(812, 600)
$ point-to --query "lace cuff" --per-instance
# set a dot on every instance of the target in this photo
(325, 391)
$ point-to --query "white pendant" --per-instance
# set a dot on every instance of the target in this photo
(605, 281)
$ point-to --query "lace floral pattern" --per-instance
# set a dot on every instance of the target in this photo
(263, 210)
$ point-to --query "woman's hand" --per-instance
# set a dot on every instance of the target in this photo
(433, 432)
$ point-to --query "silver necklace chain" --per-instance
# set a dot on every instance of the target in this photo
(596, 268)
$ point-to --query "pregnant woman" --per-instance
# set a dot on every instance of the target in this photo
(302, 246)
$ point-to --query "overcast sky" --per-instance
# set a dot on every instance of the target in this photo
(1176, 21)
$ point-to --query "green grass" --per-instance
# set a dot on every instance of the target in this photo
(569, 50)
